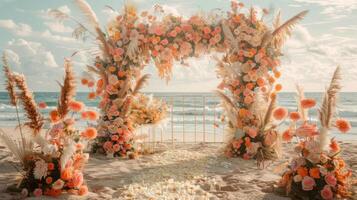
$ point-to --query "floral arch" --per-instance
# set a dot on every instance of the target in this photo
(248, 69)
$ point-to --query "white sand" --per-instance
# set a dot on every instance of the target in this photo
(196, 171)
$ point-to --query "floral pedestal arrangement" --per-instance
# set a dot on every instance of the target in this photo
(52, 159)
(318, 172)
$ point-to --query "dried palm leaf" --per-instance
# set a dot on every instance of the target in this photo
(68, 89)
(29, 104)
(281, 33)
(10, 83)
(140, 83)
(277, 20)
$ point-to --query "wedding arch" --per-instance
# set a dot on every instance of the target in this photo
(248, 69)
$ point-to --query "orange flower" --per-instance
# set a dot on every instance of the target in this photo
(315, 172)
(302, 171)
(54, 116)
(243, 112)
(91, 95)
(121, 74)
(76, 106)
(334, 146)
(260, 82)
(343, 125)
(100, 83)
(294, 116)
(277, 74)
(273, 95)
(308, 103)
(67, 174)
(287, 135)
(91, 84)
(49, 180)
(84, 115)
(83, 190)
(92, 115)
(42, 105)
(280, 113)
(84, 81)
(278, 87)
(90, 133)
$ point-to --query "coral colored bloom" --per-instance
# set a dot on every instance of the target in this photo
(307, 103)
(50, 166)
(54, 116)
(91, 95)
(76, 181)
(278, 87)
(76, 106)
(308, 183)
(49, 180)
(334, 146)
(252, 132)
(42, 105)
(84, 81)
(90, 133)
(294, 116)
(83, 190)
(37, 192)
(280, 113)
(302, 171)
(306, 130)
(330, 179)
(343, 125)
(92, 115)
(326, 193)
(314, 172)
(67, 174)
(91, 84)
(287, 135)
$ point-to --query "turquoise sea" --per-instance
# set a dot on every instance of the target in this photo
(193, 113)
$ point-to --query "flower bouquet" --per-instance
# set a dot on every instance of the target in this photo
(52, 159)
(318, 172)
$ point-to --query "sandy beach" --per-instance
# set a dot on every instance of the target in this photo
(185, 171)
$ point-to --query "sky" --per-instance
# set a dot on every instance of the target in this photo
(36, 44)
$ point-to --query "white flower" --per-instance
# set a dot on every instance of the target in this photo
(49, 149)
(40, 169)
(297, 178)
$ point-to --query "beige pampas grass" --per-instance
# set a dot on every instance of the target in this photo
(269, 113)
(300, 96)
(29, 104)
(92, 19)
(140, 83)
(68, 89)
(281, 33)
(10, 83)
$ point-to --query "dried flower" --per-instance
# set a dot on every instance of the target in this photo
(308, 103)
(280, 113)
(343, 125)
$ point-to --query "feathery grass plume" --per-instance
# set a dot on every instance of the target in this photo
(140, 83)
(226, 100)
(31, 111)
(269, 112)
(327, 110)
(68, 89)
(229, 36)
(92, 19)
(10, 84)
(328, 106)
(277, 20)
(300, 96)
(281, 33)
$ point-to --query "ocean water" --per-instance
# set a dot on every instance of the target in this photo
(193, 116)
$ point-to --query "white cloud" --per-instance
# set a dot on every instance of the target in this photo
(58, 27)
(13, 58)
(47, 34)
(19, 29)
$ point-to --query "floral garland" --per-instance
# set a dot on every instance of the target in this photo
(134, 40)
(318, 172)
(56, 164)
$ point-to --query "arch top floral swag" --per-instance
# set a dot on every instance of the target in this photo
(248, 69)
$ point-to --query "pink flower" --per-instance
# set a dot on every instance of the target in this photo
(37, 192)
(280, 113)
(252, 132)
(164, 42)
(327, 193)
(237, 143)
(116, 147)
(58, 184)
(77, 180)
(308, 183)
(330, 179)
(108, 145)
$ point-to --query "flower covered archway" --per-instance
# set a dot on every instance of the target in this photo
(248, 69)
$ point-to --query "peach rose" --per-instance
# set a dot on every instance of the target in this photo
(308, 183)
(327, 193)
(330, 179)
(83, 190)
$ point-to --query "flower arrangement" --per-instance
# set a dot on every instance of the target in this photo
(52, 159)
(147, 110)
(318, 172)
(134, 39)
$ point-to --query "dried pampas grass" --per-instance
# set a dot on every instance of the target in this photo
(29, 104)
(68, 90)
(140, 83)
(10, 83)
